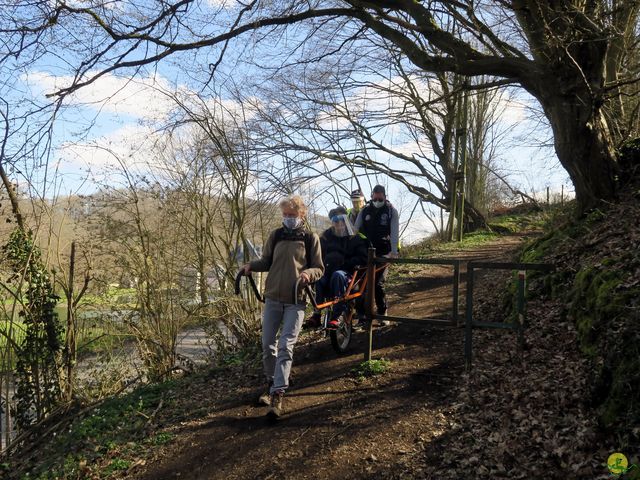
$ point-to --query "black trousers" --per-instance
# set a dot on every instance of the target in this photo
(379, 294)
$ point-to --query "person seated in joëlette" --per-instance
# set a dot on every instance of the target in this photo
(342, 251)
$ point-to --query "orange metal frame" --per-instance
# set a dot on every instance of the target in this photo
(357, 280)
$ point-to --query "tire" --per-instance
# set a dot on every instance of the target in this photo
(341, 338)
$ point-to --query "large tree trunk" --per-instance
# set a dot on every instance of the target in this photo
(473, 219)
(584, 147)
(569, 83)
(569, 86)
(575, 54)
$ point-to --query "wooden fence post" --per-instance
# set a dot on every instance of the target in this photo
(370, 298)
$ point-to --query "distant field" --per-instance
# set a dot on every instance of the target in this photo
(93, 337)
(17, 332)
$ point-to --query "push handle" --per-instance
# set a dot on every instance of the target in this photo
(307, 291)
(252, 282)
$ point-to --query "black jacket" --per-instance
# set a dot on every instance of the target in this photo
(342, 253)
(376, 226)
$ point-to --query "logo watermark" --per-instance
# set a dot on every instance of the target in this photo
(618, 464)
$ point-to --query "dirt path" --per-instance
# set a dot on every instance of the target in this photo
(336, 426)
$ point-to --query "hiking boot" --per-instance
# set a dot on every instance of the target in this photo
(383, 323)
(333, 324)
(275, 407)
(363, 323)
(313, 321)
(265, 396)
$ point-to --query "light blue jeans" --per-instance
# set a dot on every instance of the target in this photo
(333, 286)
(277, 353)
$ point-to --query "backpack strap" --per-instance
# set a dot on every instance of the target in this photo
(277, 236)
(306, 237)
(308, 247)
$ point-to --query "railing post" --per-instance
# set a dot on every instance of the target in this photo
(522, 277)
(369, 299)
(468, 328)
(456, 292)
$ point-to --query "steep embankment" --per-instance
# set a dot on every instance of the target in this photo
(598, 288)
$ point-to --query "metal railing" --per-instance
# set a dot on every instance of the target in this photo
(520, 321)
(369, 301)
(470, 323)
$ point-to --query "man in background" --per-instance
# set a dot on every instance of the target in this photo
(379, 222)
(357, 200)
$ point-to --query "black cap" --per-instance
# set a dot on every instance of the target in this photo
(337, 211)
(379, 189)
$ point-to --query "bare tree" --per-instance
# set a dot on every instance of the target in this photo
(29, 326)
(139, 231)
(571, 56)
(485, 134)
(221, 166)
(8, 185)
(382, 116)
(211, 184)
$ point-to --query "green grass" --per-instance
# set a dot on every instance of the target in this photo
(97, 340)
(514, 223)
(105, 442)
(92, 339)
(243, 356)
(17, 332)
(371, 368)
(116, 465)
(432, 245)
(121, 297)
(469, 240)
(499, 225)
(161, 438)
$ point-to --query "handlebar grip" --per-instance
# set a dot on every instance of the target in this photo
(254, 287)
(238, 280)
(312, 297)
(296, 287)
(307, 291)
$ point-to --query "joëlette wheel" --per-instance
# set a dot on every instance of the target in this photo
(341, 337)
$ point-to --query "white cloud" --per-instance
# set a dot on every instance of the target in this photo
(513, 110)
(228, 112)
(144, 103)
(421, 147)
(332, 120)
(139, 98)
(226, 4)
(130, 145)
(139, 146)
(95, 4)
